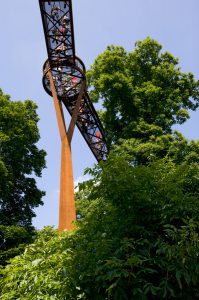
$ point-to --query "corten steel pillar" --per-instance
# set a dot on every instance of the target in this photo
(67, 211)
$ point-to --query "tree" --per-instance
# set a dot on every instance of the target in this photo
(143, 87)
(141, 151)
(19, 159)
(13, 240)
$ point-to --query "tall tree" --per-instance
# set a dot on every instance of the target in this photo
(144, 87)
(20, 158)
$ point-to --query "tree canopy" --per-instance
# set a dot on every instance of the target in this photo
(20, 158)
(145, 87)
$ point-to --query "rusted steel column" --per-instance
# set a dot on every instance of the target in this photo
(67, 211)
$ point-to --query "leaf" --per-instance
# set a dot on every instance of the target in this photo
(36, 261)
(178, 277)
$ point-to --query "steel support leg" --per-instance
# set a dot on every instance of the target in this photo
(67, 211)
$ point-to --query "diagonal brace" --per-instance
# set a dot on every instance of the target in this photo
(58, 108)
(75, 112)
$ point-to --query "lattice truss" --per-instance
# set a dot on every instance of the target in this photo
(68, 72)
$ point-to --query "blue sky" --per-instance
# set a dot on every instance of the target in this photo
(173, 23)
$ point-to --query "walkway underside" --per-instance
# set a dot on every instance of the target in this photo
(68, 73)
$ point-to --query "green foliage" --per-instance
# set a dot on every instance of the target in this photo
(155, 146)
(14, 239)
(138, 217)
(41, 272)
(19, 159)
(138, 232)
(138, 240)
(143, 86)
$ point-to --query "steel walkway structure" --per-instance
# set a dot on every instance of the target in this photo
(69, 72)
(64, 78)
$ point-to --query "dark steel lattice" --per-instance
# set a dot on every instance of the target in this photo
(68, 72)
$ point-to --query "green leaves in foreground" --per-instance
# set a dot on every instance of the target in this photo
(41, 272)
(138, 240)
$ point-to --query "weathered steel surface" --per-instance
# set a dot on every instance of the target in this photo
(67, 211)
